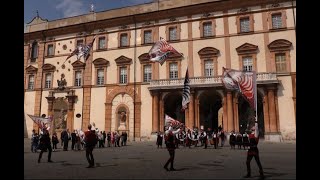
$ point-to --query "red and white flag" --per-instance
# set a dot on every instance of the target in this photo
(169, 121)
(243, 82)
(42, 122)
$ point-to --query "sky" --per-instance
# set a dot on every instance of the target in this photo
(57, 9)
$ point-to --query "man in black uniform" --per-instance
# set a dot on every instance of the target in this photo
(170, 143)
(253, 151)
(45, 143)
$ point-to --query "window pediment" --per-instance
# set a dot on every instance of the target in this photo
(78, 65)
(48, 67)
(208, 52)
(174, 56)
(247, 48)
(144, 58)
(122, 60)
(280, 45)
(100, 62)
(31, 69)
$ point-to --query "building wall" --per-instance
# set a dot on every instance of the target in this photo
(286, 110)
(97, 107)
(44, 103)
(78, 109)
(146, 115)
(29, 101)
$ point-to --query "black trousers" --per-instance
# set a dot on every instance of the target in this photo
(89, 156)
(72, 144)
(255, 154)
(171, 159)
(65, 145)
(49, 152)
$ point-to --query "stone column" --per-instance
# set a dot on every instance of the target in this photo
(191, 110)
(50, 100)
(266, 113)
(155, 111)
(71, 100)
(197, 119)
(272, 109)
(230, 126)
(235, 113)
(161, 118)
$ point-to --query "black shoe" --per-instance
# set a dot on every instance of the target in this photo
(38, 160)
(247, 176)
(90, 166)
(172, 169)
(165, 168)
(261, 174)
(50, 161)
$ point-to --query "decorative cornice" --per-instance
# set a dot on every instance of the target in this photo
(48, 67)
(122, 60)
(208, 52)
(100, 62)
(31, 69)
(144, 58)
(280, 45)
(78, 65)
(247, 48)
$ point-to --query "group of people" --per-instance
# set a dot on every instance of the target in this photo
(172, 140)
(174, 137)
(188, 138)
(80, 140)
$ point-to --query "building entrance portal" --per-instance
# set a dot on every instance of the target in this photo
(209, 106)
(172, 107)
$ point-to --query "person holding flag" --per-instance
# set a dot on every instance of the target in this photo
(45, 143)
(170, 143)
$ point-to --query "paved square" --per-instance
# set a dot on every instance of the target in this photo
(142, 160)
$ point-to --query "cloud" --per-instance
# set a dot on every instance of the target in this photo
(71, 7)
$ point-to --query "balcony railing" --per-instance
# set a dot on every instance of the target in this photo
(262, 78)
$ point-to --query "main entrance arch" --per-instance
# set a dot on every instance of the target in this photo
(210, 103)
(245, 111)
(172, 106)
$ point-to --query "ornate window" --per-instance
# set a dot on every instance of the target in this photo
(173, 68)
(146, 67)
(247, 63)
(124, 40)
(78, 68)
(209, 62)
(277, 20)
(34, 51)
(102, 43)
(48, 80)
(50, 50)
(147, 73)
(48, 71)
(147, 37)
(79, 42)
(207, 28)
(31, 72)
(245, 23)
(280, 55)
(100, 65)
(247, 57)
(31, 82)
(78, 78)
(173, 32)
(208, 67)
(123, 64)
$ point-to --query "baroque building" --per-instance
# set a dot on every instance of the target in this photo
(119, 89)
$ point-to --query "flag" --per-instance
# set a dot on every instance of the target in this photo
(82, 50)
(186, 92)
(169, 121)
(243, 82)
(161, 50)
(42, 122)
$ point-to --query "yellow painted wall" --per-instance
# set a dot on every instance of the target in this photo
(97, 107)
(29, 101)
(146, 112)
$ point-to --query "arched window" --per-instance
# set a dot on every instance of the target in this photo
(34, 51)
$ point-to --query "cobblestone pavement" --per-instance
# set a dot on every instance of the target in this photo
(142, 160)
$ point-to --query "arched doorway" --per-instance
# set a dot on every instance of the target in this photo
(172, 106)
(210, 103)
(245, 111)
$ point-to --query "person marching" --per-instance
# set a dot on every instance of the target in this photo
(45, 143)
(90, 140)
(170, 143)
(204, 138)
(253, 150)
(159, 139)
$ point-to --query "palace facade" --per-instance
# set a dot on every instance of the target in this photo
(119, 89)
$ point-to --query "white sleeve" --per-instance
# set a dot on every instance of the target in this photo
(175, 132)
(256, 131)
